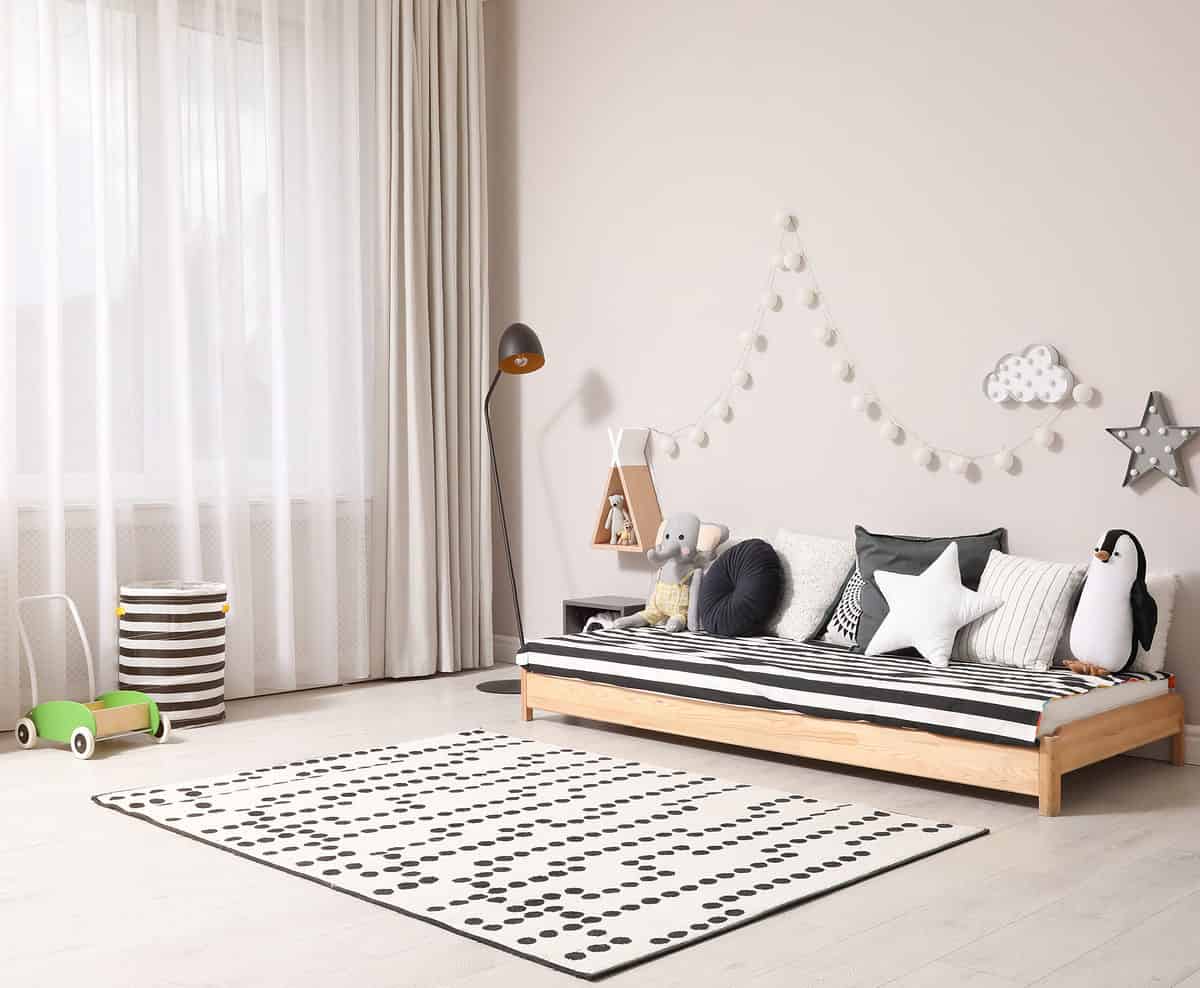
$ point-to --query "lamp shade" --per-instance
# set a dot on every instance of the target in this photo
(520, 350)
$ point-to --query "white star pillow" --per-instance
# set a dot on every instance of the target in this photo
(926, 611)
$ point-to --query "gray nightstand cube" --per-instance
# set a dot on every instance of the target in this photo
(577, 610)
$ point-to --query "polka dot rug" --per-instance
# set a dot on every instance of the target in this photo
(582, 862)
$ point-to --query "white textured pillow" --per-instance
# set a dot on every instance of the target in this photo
(1025, 630)
(814, 569)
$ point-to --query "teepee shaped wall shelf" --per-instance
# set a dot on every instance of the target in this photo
(630, 477)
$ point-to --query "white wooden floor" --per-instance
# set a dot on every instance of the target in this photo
(1107, 894)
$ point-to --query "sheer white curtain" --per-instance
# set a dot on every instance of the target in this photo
(188, 290)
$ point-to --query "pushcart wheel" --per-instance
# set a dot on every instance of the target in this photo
(26, 733)
(164, 729)
(83, 743)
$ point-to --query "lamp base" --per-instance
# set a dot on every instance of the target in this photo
(509, 686)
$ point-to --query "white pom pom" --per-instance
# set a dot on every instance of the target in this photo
(785, 221)
(724, 410)
(748, 338)
(741, 378)
(1003, 461)
(889, 432)
(858, 403)
(958, 465)
(699, 437)
(922, 456)
(772, 301)
(793, 260)
(842, 370)
(812, 298)
(824, 334)
(1044, 437)
(777, 262)
(1083, 393)
(669, 445)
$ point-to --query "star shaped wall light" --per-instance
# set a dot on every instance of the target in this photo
(1154, 444)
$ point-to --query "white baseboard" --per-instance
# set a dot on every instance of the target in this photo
(504, 647)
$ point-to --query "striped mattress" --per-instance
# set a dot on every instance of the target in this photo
(967, 700)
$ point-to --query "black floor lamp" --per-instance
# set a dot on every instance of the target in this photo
(519, 352)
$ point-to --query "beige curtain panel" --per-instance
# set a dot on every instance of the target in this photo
(436, 355)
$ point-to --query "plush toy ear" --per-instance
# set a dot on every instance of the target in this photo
(711, 536)
(1145, 614)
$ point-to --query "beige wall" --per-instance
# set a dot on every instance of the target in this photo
(971, 177)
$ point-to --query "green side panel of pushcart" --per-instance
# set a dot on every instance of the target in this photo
(56, 719)
(125, 698)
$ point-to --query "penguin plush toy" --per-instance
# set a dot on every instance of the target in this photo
(1116, 613)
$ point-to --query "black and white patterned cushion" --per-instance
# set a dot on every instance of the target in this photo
(843, 623)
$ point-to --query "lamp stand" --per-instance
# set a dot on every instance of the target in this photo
(507, 686)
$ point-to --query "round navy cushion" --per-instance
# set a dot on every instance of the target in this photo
(741, 590)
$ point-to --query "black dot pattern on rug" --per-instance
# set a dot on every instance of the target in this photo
(580, 860)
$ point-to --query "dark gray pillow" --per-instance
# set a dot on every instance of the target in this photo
(740, 591)
(912, 555)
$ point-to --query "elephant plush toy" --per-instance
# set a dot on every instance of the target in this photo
(684, 547)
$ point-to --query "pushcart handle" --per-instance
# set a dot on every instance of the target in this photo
(87, 649)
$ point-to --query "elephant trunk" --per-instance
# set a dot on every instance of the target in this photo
(662, 552)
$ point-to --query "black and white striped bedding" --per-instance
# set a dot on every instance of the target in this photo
(966, 700)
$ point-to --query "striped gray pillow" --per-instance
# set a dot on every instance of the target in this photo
(1025, 630)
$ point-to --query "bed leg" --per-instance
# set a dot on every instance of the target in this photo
(1049, 779)
(526, 709)
(1179, 747)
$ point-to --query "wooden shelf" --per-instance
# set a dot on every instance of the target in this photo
(630, 477)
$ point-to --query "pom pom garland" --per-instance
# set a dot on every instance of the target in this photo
(790, 256)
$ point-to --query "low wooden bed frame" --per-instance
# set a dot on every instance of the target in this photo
(1030, 770)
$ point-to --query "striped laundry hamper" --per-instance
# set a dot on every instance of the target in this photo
(172, 647)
